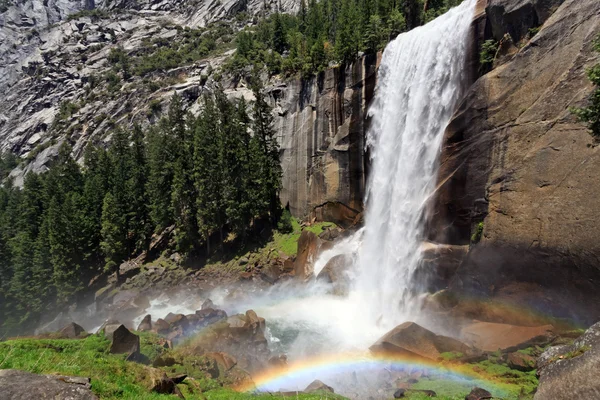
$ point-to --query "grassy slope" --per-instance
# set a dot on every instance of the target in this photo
(112, 377)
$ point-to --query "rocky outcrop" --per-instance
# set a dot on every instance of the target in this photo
(516, 160)
(492, 337)
(571, 371)
(21, 385)
(414, 341)
(321, 123)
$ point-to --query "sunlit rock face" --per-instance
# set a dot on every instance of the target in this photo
(516, 159)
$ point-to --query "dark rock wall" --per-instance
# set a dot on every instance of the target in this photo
(516, 159)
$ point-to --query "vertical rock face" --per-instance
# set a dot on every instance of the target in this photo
(516, 159)
(322, 123)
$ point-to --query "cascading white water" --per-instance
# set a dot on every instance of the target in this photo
(419, 84)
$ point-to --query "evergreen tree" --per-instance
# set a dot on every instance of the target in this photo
(139, 219)
(114, 235)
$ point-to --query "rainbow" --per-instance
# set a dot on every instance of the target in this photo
(298, 374)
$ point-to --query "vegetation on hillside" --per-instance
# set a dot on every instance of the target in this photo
(328, 31)
(206, 176)
(591, 113)
(111, 376)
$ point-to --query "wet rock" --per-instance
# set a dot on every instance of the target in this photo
(208, 304)
(318, 386)
(278, 361)
(520, 361)
(571, 371)
(478, 393)
(161, 326)
(109, 327)
(146, 324)
(208, 316)
(491, 337)
(21, 385)
(162, 384)
(309, 245)
(335, 273)
(72, 331)
(177, 321)
(125, 342)
(399, 393)
(61, 320)
(412, 340)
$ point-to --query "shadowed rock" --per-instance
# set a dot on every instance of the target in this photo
(478, 394)
(335, 273)
(72, 331)
(125, 342)
(146, 324)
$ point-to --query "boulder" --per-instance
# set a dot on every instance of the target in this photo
(72, 331)
(571, 371)
(207, 304)
(208, 316)
(21, 385)
(489, 336)
(335, 272)
(309, 245)
(146, 324)
(125, 342)
(318, 386)
(412, 340)
(223, 360)
(161, 326)
(439, 263)
(399, 393)
(478, 393)
(109, 327)
(520, 361)
(162, 384)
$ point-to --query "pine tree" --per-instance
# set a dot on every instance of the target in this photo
(269, 153)
(160, 177)
(139, 219)
(113, 235)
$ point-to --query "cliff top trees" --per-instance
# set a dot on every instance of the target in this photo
(591, 113)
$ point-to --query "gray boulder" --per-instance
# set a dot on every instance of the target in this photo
(571, 371)
(21, 385)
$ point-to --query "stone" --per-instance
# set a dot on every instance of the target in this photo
(161, 326)
(489, 336)
(208, 316)
(318, 386)
(207, 304)
(520, 361)
(21, 385)
(399, 393)
(72, 331)
(412, 340)
(125, 342)
(309, 245)
(515, 158)
(177, 321)
(478, 393)
(162, 384)
(224, 360)
(146, 324)
(571, 371)
(109, 327)
(335, 273)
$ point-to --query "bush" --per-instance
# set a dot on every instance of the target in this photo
(488, 54)
(591, 113)
(285, 222)
(476, 236)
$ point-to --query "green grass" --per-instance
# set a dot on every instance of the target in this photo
(111, 376)
(452, 355)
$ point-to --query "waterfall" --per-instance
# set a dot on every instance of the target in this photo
(419, 84)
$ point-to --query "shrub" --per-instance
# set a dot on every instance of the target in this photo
(285, 222)
(488, 54)
(476, 236)
(591, 113)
